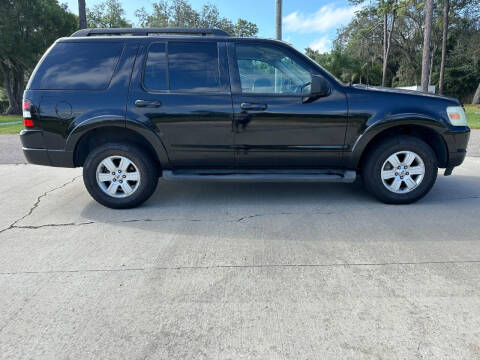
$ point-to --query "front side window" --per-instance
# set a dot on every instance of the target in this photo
(193, 66)
(270, 70)
(77, 66)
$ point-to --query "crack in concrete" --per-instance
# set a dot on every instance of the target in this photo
(260, 266)
(36, 204)
(248, 217)
(238, 220)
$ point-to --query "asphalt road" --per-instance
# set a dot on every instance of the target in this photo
(238, 271)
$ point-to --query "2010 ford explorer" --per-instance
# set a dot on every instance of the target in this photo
(133, 105)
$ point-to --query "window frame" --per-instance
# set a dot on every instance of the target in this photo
(235, 72)
(144, 68)
(223, 78)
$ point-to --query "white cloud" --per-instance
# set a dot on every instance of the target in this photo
(327, 17)
(322, 45)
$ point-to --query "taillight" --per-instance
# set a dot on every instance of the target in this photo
(27, 116)
(28, 122)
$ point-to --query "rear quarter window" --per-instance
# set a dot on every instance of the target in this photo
(77, 66)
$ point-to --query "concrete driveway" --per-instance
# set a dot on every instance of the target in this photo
(238, 271)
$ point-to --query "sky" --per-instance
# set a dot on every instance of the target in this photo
(306, 23)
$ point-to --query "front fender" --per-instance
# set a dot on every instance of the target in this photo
(386, 124)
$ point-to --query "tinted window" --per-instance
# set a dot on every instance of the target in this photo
(267, 69)
(193, 66)
(78, 66)
(155, 76)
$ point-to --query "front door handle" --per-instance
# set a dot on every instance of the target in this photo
(253, 106)
(147, 103)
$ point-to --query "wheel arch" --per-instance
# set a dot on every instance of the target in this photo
(426, 133)
(82, 141)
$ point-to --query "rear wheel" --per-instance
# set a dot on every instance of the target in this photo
(120, 176)
(400, 170)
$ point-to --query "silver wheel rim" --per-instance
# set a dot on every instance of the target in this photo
(403, 172)
(118, 176)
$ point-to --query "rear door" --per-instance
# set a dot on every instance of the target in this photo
(181, 90)
(274, 126)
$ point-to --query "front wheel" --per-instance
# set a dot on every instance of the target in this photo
(120, 176)
(400, 170)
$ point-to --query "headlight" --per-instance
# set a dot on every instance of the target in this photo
(457, 116)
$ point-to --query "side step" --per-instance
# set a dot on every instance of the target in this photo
(345, 176)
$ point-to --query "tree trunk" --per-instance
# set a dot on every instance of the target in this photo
(426, 44)
(278, 19)
(384, 66)
(82, 14)
(387, 42)
(431, 63)
(476, 97)
(13, 84)
(446, 10)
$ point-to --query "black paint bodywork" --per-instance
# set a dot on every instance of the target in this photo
(214, 130)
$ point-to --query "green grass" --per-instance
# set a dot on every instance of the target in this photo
(473, 116)
(13, 128)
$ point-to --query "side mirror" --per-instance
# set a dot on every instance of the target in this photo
(319, 86)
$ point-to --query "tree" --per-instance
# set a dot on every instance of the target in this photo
(446, 10)
(476, 96)
(244, 28)
(180, 13)
(427, 34)
(278, 19)
(27, 29)
(108, 14)
(389, 11)
(82, 14)
(358, 52)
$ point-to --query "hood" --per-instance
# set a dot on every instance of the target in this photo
(402, 91)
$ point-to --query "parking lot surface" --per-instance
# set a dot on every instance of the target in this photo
(209, 270)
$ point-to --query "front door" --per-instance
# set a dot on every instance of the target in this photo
(181, 90)
(274, 126)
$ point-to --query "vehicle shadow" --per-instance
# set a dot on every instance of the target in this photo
(217, 202)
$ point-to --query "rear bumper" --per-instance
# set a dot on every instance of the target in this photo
(36, 153)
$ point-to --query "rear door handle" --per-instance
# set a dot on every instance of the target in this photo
(147, 103)
(253, 106)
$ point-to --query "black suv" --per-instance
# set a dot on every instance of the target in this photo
(131, 105)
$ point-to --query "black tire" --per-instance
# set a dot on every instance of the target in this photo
(372, 168)
(146, 166)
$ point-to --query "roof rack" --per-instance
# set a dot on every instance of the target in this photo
(149, 31)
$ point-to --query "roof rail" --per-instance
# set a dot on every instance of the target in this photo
(149, 31)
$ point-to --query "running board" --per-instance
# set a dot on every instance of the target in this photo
(345, 176)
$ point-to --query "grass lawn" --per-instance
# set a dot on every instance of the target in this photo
(12, 128)
(473, 116)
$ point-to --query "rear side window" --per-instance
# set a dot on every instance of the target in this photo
(155, 77)
(77, 66)
(193, 66)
